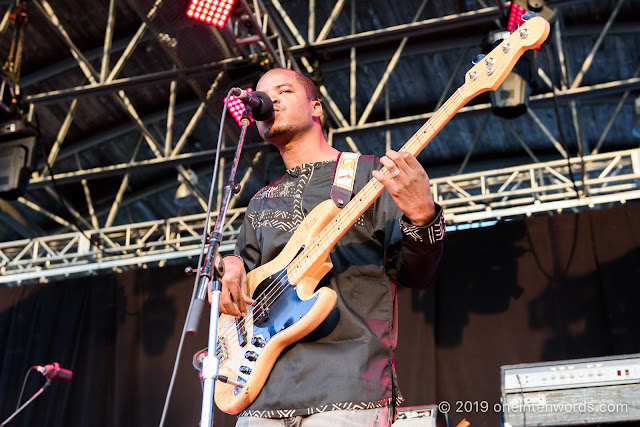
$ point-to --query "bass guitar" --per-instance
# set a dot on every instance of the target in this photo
(288, 306)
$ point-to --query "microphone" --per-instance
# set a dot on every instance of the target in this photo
(259, 102)
(55, 372)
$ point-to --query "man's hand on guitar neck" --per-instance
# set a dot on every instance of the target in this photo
(234, 288)
(409, 186)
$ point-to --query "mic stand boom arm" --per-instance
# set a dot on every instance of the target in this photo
(211, 272)
(36, 394)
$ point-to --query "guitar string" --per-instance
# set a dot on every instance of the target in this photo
(416, 137)
(272, 288)
(273, 293)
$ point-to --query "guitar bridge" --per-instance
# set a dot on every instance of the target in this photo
(223, 349)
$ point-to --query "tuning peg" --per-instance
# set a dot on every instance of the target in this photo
(478, 59)
(529, 15)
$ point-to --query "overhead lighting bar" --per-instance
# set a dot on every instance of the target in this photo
(213, 12)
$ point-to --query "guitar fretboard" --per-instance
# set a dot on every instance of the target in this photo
(322, 244)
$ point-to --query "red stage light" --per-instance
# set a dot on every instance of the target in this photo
(214, 12)
(236, 107)
(515, 18)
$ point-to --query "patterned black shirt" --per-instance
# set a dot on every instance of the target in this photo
(348, 361)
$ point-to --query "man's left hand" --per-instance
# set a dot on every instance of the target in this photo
(409, 186)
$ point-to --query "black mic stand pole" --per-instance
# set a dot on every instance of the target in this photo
(212, 271)
(36, 394)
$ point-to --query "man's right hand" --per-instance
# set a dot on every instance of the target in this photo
(234, 288)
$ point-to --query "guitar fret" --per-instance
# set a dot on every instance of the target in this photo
(329, 236)
(320, 244)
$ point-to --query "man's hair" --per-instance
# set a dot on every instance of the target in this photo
(307, 84)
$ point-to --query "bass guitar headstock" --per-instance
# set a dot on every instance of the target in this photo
(490, 71)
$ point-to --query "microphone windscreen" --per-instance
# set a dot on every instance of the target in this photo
(63, 375)
(266, 107)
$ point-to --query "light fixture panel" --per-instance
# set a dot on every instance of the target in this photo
(213, 12)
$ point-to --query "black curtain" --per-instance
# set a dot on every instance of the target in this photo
(549, 288)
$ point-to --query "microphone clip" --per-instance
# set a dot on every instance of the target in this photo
(55, 372)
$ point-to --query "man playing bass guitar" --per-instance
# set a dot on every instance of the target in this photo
(342, 372)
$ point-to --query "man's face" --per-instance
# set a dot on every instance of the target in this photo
(294, 111)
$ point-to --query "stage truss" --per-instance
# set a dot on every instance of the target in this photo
(516, 192)
(534, 188)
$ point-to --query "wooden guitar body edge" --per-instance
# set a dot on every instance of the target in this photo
(307, 270)
(316, 220)
(228, 401)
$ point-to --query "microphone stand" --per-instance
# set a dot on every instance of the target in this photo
(36, 394)
(211, 272)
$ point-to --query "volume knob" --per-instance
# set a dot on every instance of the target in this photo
(251, 356)
(257, 341)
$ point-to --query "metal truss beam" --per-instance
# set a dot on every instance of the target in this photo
(398, 32)
(539, 187)
(488, 195)
(131, 82)
(113, 248)
(125, 128)
(415, 29)
(120, 97)
(564, 96)
(156, 163)
(470, 198)
(68, 64)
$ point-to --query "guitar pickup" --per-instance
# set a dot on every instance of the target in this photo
(260, 313)
(242, 332)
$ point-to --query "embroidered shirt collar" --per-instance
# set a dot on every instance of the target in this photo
(306, 168)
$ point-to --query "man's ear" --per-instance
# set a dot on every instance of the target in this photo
(317, 109)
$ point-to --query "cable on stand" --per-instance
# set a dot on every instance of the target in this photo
(52, 372)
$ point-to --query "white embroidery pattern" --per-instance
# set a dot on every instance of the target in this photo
(434, 233)
(316, 410)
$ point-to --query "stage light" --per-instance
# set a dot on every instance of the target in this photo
(515, 17)
(520, 7)
(511, 99)
(236, 107)
(213, 12)
(18, 137)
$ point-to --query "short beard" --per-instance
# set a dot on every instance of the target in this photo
(276, 131)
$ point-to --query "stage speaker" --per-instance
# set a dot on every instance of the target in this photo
(17, 158)
(603, 390)
(422, 416)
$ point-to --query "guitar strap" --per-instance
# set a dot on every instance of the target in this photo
(344, 178)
